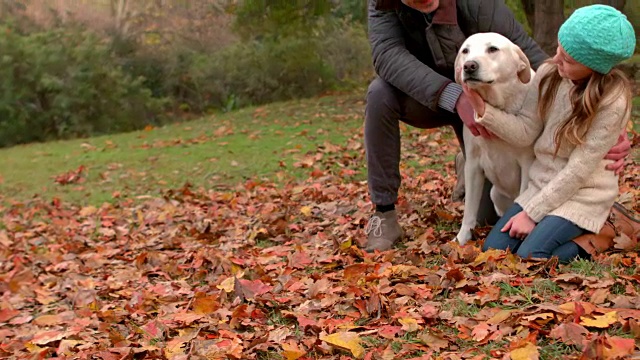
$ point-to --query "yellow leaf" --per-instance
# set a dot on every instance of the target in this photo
(345, 245)
(305, 210)
(409, 324)
(499, 317)
(235, 269)
(88, 211)
(600, 321)
(227, 285)
(484, 256)
(33, 348)
(291, 351)
(570, 308)
(527, 352)
(205, 305)
(345, 340)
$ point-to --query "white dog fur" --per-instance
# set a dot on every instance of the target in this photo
(499, 71)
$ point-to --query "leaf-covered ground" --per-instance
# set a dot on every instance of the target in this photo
(271, 271)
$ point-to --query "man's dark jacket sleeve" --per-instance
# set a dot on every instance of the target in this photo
(395, 64)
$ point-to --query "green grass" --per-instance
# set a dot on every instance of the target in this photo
(588, 268)
(555, 350)
(219, 150)
(273, 143)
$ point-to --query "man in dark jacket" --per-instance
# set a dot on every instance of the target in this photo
(414, 45)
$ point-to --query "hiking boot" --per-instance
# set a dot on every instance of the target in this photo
(621, 221)
(458, 190)
(383, 231)
(624, 221)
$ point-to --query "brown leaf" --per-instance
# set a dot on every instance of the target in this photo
(434, 341)
(250, 289)
(570, 333)
(318, 287)
(625, 243)
(71, 177)
(47, 320)
(455, 274)
(4, 239)
(482, 331)
(500, 316)
(7, 314)
(599, 296)
(205, 304)
(46, 337)
(389, 331)
(608, 348)
(355, 272)
(634, 327)
(279, 335)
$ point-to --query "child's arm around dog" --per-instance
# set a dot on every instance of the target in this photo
(520, 129)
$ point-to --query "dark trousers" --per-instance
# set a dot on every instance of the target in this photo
(552, 236)
(386, 107)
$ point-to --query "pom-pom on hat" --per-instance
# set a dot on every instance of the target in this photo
(598, 36)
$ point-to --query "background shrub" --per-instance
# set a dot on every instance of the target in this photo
(63, 83)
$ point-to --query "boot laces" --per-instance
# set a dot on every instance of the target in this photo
(375, 225)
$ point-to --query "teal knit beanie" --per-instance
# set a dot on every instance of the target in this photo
(598, 36)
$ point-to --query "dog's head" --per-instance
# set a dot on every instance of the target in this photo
(490, 59)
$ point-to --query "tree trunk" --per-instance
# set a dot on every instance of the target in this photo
(528, 7)
(120, 13)
(618, 4)
(548, 16)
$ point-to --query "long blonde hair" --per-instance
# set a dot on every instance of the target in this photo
(587, 97)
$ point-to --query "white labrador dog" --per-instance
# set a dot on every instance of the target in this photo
(499, 71)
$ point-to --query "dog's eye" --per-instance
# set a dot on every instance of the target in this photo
(492, 49)
(465, 50)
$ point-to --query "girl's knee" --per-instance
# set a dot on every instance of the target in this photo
(497, 242)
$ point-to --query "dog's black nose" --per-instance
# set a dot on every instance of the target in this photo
(470, 67)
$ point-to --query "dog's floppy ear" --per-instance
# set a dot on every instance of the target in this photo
(458, 74)
(524, 69)
(457, 68)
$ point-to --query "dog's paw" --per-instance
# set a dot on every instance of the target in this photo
(463, 237)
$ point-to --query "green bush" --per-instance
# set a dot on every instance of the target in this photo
(63, 83)
(263, 71)
(346, 50)
(66, 81)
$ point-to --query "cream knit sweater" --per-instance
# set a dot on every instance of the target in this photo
(575, 184)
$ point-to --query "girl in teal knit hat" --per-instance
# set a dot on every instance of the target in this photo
(577, 106)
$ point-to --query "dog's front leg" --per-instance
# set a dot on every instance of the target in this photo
(473, 187)
(525, 163)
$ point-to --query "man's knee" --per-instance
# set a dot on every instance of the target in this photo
(381, 97)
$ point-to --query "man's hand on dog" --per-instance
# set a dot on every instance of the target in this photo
(519, 226)
(468, 102)
(465, 110)
(619, 152)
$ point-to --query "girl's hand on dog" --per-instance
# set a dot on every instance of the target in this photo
(519, 226)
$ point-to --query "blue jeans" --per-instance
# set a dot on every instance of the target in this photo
(552, 236)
